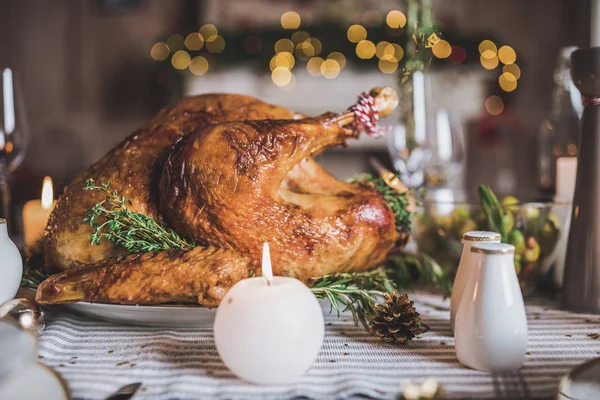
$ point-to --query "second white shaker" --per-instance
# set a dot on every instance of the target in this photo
(491, 326)
(460, 280)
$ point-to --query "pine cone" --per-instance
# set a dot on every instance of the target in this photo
(396, 320)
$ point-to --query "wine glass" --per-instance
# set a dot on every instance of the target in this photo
(13, 134)
(434, 159)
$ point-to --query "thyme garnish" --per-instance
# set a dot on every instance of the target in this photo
(137, 233)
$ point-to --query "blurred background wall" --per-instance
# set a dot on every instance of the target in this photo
(89, 79)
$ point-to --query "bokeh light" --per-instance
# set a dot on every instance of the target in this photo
(507, 55)
(216, 45)
(316, 44)
(313, 66)
(459, 55)
(284, 45)
(284, 59)
(489, 63)
(305, 50)
(372, 18)
(299, 37)
(175, 42)
(441, 49)
(339, 57)
(365, 49)
(395, 19)
(181, 59)
(290, 20)
(194, 41)
(508, 82)
(513, 69)
(281, 76)
(487, 45)
(160, 51)
(330, 68)
(383, 48)
(199, 65)
(209, 32)
(388, 66)
(356, 33)
(489, 54)
(494, 105)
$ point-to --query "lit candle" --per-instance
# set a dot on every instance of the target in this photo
(36, 213)
(269, 329)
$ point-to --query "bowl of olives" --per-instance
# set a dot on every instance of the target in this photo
(535, 229)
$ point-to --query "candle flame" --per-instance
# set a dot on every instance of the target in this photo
(267, 269)
(47, 193)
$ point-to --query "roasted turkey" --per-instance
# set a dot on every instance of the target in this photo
(228, 172)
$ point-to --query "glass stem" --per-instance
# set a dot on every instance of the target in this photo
(5, 208)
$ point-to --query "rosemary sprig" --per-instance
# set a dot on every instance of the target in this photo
(354, 292)
(399, 203)
(112, 220)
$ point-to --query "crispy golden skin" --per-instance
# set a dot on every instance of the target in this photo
(229, 186)
(133, 168)
(200, 275)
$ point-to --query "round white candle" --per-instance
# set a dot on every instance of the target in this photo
(36, 214)
(269, 330)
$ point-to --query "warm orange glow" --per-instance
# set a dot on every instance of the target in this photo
(330, 68)
(290, 20)
(339, 57)
(300, 36)
(175, 42)
(395, 19)
(47, 193)
(508, 82)
(313, 66)
(513, 69)
(494, 105)
(181, 59)
(316, 44)
(9, 147)
(507, 55)
(489, 63)
(209, 32)
(442, 49)
(216, 45)
(487, 45)
(284, 45)
(281, 76)
(388, 66)
(284, 59)
(356, 33)
(199, 65)
(365, 49)
(194, 41)
(160, 51)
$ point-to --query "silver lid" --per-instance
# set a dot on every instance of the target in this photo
(481, 236)
(493, 248)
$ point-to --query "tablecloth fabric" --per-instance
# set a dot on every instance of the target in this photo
(96, 358)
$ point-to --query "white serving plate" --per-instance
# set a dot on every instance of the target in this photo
(163, 316)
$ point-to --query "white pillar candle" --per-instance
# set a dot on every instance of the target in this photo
(37, 212)
(566, 173)
(269, 330)
(595, 24)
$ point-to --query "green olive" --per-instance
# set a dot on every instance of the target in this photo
(510, 202)
(532, 253)
(518, 261)
(509, 220)
(517, 239)
(549, 234)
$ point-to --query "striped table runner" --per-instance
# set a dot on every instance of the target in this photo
(96, 358)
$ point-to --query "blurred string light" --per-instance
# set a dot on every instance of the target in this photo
(395, 19)
(281, 76)
(284, 45)
(356, 33)
(339, 57)
(290, 20)
(305, 50)
(181, 59)
(507, 81)
(487, 45)
(507, 55)
(283, 59)
(372, 18)
(209, 32)
(194, 41)
(388, 66)
(330, 68)
(160, 51)
(365, 49)
(199, 65)
(175, 42)
(513, 69)
(494, 105)
(489, 63)
(316, 44)
(216, 45)
(299, 37)
(441, 49)
(389, 51)
(313, 66)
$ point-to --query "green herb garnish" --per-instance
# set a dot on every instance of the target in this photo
(112, 220)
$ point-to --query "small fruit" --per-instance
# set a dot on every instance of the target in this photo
(509, 201)
(532, 253)
(517, 239)
(509, 221)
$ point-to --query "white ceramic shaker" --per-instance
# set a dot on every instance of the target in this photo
(11, 265)
(462, 273)
(490, 331)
